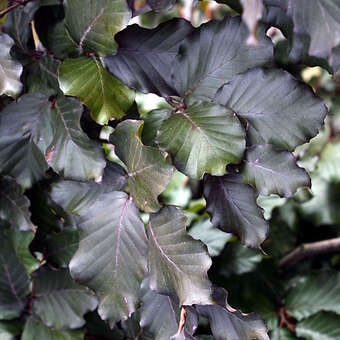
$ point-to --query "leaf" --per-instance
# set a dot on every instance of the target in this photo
(323, 207)
(213, 238)
(10, 70)
(105, 96)
(273, 172)
(329, 163)
(238, 260)
(315, 29)
(149, 170)
(278, 109)
(35, 329)
(20, 241)
(231, 203)
(60, 302)
(25, 133)
(227, 323)
(160, 314)
(205, 137)
(321, 326)
(43, 77)
(252, 13)
(282, 334)
(61, 43)
(9, 330)
(71, 153)
(14, 281)
(17, 24)
(96, 24)
(14, 207)
(111, 258)
(145, 55)
(61, 247)
(316, 293)
(213, 53)
(178, 264)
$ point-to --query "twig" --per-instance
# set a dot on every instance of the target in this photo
(309, 249)
(16, 4)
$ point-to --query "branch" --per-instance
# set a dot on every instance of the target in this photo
(15, 5)
(309, 249)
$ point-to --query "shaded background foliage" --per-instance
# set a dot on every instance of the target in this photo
(160, 164)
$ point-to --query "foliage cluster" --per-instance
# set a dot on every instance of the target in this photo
(132, 156)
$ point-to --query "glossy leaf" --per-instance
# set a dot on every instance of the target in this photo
(111, 258)
(319, 292)
(105, 96)
(205, 137)
(43, 77)
(14, 281)
(278, 109)
(9, 330)
(25, 133)
(149, 170)
(232, 206)
(227, 323)
(59, 301)
(14, 207)
(159, 315)
(145, 55)
(273, 172)
(71, 153)
(321, 326)
(10, 70)
(178, 264)
(213, 53)
(96, 23)
(36, 329)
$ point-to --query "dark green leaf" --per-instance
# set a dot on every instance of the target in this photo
(10, 70)
(59, 301)
(213, 53)
(273, 172)
(14, 281)
(17, 24)
(35, 329)
(227, 323)
(319, 292)
(149, 170)
(321, 326)
(25, 133)
(278, 109)
(232, 205)
(21, 241)
(145, 56)
(105, 96)
(14, 207)
(43, 77)
(61, 247)
(178, 264)
(61, 42)
(71, 153)
(282, 334)
(239, 260)
(9, 330)
(96, 23)
(111, 258)
(205, 137)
